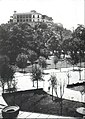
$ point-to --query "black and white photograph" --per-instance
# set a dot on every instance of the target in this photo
(42, 59)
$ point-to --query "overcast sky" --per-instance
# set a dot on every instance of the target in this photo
(68, 12)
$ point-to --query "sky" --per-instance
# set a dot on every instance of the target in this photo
(70, 13)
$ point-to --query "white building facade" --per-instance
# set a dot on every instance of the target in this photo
(30, 17)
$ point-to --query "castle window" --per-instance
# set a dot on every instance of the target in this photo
(33, 16)
(17, 16)
(17, 20)
(26, 20)
(33, 20)
(30, 20)
(23, 20)
(29, 15)
(20, 16)
(20, 20)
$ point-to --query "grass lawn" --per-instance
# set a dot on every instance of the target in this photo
(39, 101)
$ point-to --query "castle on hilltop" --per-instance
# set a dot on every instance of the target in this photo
(31, 17)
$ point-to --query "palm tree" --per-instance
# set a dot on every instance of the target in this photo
(36, 74)
(53, 80)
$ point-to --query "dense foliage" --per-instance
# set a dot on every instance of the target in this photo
(22, 38)
(41, 40)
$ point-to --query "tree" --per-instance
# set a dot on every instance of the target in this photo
(43, 25)
(2, 83)
(7, 75)
(76, 47)
(53, 80)
(4, 60)
(42, 62)
(38, 38)
(59, 35)
(66, 45)
(32, 56)
(79, 32)
(22, 61)
(73, 58)
(44, 53)
(53, 43)
(73, 45)
(36, 74)
(41, 39)
(55, 60)
(14, 40)
(17, 38)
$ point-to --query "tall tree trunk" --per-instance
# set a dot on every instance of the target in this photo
(80, 71)
(84, 70)
(33, 83)
(8, 86)
(80, 74)
(80, 68)
(73, 67)
(60, 66)
(61, 105)
(14, 98)
(52, 92)
(37, 83)
(55, 66)
(56, 91)
(3, 87)
(66, 63)
(68, 80)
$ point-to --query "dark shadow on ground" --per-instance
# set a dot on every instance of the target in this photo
(41, 102)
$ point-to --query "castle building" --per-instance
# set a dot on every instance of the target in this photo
(31, 17)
